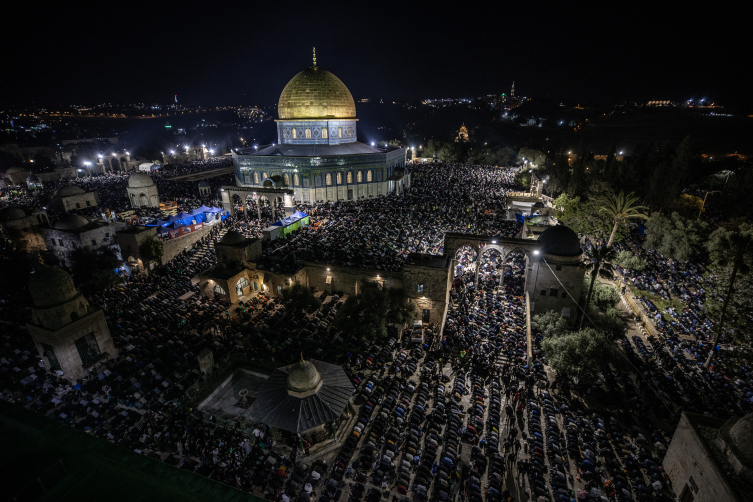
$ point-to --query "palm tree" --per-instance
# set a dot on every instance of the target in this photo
(622, 207)
(599, 266)
(727, 249)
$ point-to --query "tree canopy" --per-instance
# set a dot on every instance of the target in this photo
(620, 208)
(629, 261)
(95, 269)
(675, 236)
(151, 249)
(533, 156)
(581, 354)
(585, 218)
(298, 297)
(731, 250)
(368, 313)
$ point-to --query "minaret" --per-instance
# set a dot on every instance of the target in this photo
(314, 57)
(512, 91)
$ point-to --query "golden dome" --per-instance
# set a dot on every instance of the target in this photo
(316, 94)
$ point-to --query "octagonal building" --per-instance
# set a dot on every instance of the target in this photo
(317, 154)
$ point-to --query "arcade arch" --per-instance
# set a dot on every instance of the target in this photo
(514, 275)
(489, 268)
(465, 260)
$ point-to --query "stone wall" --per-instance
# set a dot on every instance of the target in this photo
(347, 280)
(542, 279)
(690, 464)
(103, 236)
(63, 342)
(79, 201)
(130, 240)
(26, 233)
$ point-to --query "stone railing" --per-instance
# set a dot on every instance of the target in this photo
(528, 330)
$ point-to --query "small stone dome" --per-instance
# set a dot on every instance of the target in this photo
(51, 286)
(140, 180)
(12, 213)
(33, 178)
(69, 190)
(71, 222)
(204, 184)
(560, 240)
(233, 237)
(742, 436)
(303, 377)
(12, 170)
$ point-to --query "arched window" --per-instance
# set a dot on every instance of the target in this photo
(263, 176)
(324, 132)
(241, 284)
(339, 178)
(287, 179)
(294, 133)
(218, 290)
(359, 177)
(329, 179)
(339, 132)
(308, 133)
(295, 180)
(368, 176)
(350, 178)
(256, 178)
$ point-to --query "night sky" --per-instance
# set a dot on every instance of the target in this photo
(223, 53)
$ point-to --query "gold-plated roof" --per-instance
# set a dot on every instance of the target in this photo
(316, 94)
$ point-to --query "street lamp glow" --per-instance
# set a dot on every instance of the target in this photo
(536, 252)
(372, 143)
(172, 152)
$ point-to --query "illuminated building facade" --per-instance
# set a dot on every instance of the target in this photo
(317, 154)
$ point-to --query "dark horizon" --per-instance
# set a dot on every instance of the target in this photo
(225, 55)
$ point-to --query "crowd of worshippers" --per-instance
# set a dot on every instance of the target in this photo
(475, 396)
(113, 195)
(670, 279)
(196, 166)
(420, 407)
(381, 232)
